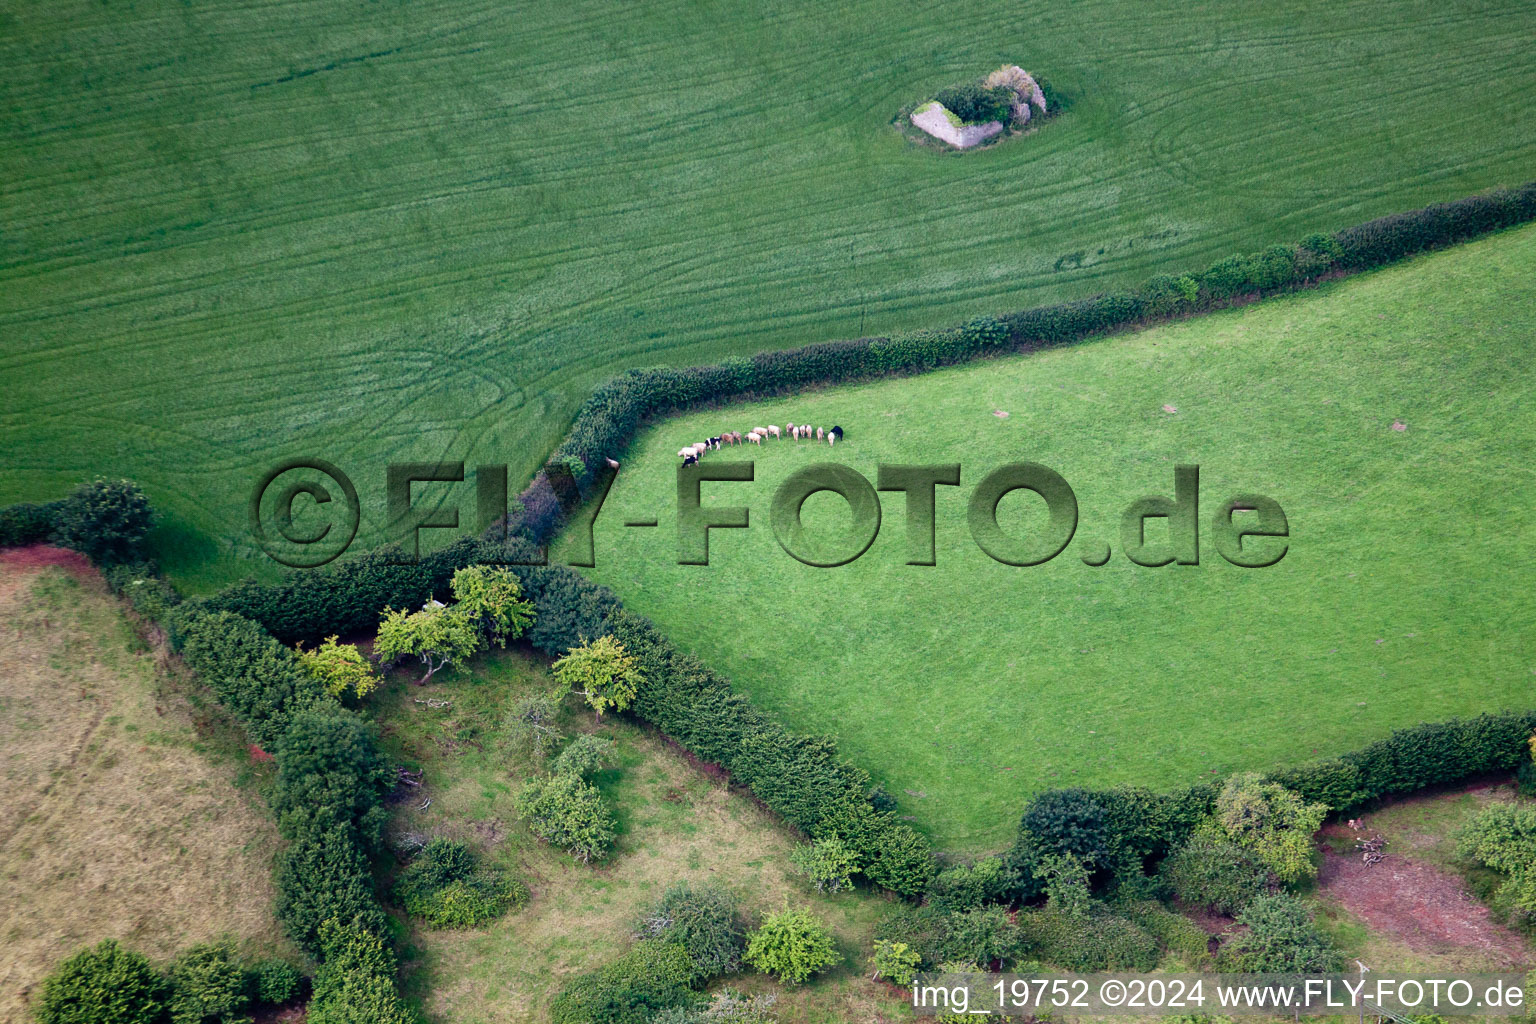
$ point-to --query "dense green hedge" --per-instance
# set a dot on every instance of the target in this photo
(328, 795)
(610, 417)
(27, 523)
(1139, 825)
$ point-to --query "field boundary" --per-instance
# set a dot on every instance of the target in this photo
(799, 777)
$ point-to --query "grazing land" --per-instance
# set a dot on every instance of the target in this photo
(122, 819)
(1389, 416)
(411, 231)
(675, 822)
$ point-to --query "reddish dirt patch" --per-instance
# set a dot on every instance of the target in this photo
(1426, 908)
(40, 556)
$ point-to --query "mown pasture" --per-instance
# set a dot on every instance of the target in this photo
(413, 231)
(1388, 414)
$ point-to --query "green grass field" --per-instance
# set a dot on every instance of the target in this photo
(411, 231)
(967, 686)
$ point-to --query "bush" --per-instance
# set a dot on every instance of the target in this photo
(208, 987)
(792, 945)
(701, 918)
(652, 964)
(1066, 885)
(356, 980)
(591, 999)
(256, 678)
(1100, 942)
(27, 523)
(1271, 822)
(983, 936)
(273, 981)
(921, 928)
(444, 888)
(105, 520)
(726, 1007)
(583, 756)
(1211, 872)
(105, 984)
(1280, 938)
(1503, 837)
(1067, 821)
(896, 962)
(966, 886)
(340, 669)
(491, 600)
(1174, 932)
(827, 863)
(976, 104)
(601, 671)
(568, 812)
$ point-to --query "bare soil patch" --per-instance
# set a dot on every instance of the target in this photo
(1426, 908)
(115, 824)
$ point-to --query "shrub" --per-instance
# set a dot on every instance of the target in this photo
(1100, 942)
(976, 104)
(792, 945)
(1280, 938)
(965, 886)
(1166, 294)
(567, 811)
(531, 723)
(273, 981)
(603, 672)
(207, 987)
(827, 863)
(322, 875)
(148, 595)
(340, 669)
(591, 999)
(1316, 255)
(27, 523)
(652, 964)
(896, 962)
(491, 600)
(583, 756)
(701, 918)
(106, 520)
(1335, 783)
(254, 676)
(921, 928)
(1067, 821)
(356, 980)
(329, 760)
(1066, 885)
(1174, 932)
(1211, 872)
(1225, 278)
(1272, 822)
(726, 1007)
(1503, 837)
(1275, 267)
(105, 984)
(438, 635)
(982, 935)
(444, 888)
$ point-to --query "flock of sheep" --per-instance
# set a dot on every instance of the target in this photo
(757, 435)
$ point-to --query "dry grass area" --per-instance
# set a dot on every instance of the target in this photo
(120, 819)
(675, 822)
